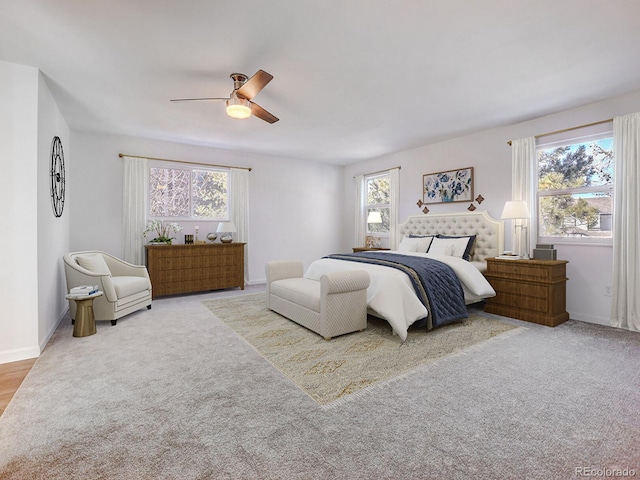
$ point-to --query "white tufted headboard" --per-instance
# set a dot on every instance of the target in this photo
(489, 231)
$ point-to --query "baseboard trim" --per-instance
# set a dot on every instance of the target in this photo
(19, 354)
(31, 352)
(45, 340)
(590, 319)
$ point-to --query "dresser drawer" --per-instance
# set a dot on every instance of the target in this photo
(524, 289)
(536, 304)
(530, 270)
(519, 270)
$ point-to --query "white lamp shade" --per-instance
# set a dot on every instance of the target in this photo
(374, 217)
(226, 227)
(515, 209)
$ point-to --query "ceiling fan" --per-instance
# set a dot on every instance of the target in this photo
(239, 104)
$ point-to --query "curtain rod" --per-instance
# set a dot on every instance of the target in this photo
(182, 161)
(379, 171)
(569, 129)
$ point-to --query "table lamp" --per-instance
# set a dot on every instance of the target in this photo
(517, 210)
(226, 229)
(374, 217)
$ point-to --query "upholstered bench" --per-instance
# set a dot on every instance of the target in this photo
(335, 305)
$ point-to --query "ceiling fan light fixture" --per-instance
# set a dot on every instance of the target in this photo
(238, 107)
(239, 103)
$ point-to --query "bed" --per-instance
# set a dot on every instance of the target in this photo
(393, 294)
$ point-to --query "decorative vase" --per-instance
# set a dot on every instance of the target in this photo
(226, 238)
(212, 237)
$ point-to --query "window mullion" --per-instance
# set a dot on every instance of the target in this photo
(578, 190)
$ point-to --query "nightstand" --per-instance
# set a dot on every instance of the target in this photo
(367, 249)
(530, 290)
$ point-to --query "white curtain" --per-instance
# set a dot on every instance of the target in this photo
(394, 201)
(625, 300)
(523, 184)
(134, 208)
(360, 232)
(239, 209)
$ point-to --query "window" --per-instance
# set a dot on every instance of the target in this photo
(378, 199)
(188, 193)
(575, 189)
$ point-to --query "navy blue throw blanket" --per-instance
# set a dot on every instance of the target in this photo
(435, 283)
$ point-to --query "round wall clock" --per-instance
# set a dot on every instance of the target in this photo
(56, 174)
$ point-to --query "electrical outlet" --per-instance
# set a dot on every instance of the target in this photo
(607, 290)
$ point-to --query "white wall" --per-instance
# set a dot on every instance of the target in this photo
(589, 269)
(18, 197)
(53, 232)
(32, 285)
(294, 207)
(295, 212)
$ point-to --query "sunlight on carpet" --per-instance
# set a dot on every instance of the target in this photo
(329, 371)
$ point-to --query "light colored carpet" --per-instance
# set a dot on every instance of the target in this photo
(333, 371)
(173, 393)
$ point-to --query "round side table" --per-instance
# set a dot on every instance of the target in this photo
(85, 321)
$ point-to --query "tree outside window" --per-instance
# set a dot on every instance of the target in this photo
(186, 193)
(575, 189)
(209, 194)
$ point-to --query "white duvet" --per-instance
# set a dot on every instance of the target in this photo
(391, 295)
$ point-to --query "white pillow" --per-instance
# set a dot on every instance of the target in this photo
(407, 246)
(423, 242)
(415, 244)
(94, 263)
(454, 247)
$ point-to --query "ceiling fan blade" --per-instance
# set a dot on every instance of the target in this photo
(196, 99)
(261, 113)
(253, 86)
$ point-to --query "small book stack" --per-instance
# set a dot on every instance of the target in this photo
(509, 256)
(84, 290)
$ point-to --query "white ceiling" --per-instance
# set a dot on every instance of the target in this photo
(353, 79)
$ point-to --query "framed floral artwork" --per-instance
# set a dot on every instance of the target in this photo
(449, 186)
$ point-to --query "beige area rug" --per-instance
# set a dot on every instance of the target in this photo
(330, 371)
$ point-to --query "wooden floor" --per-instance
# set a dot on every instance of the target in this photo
(11, 376)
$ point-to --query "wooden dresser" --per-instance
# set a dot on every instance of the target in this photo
(195, 268)
(531, 290)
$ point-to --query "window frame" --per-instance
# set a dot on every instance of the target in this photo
(190, 168)
(367, 207)
(575, 137)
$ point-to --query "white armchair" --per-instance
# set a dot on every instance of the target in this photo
(126, 287)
